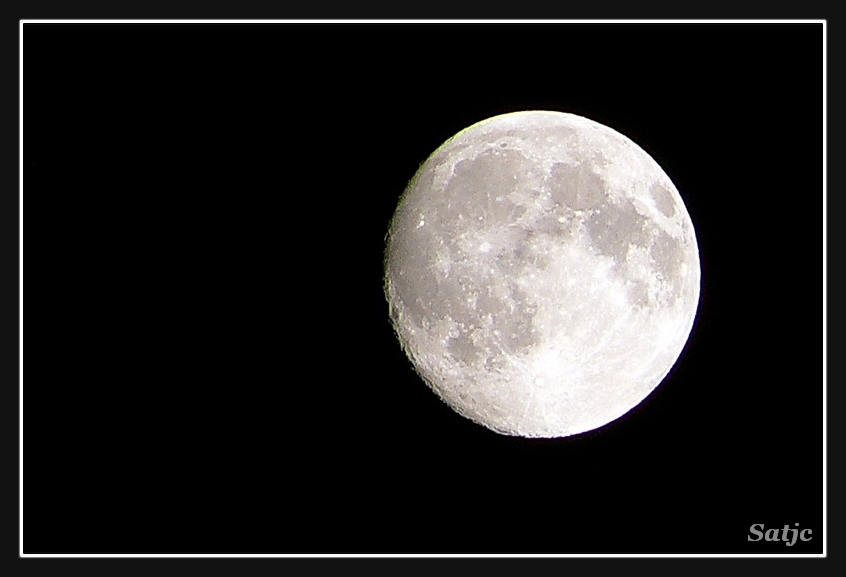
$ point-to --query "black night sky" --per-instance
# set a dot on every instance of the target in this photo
(212, 365)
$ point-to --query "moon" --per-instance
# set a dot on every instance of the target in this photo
(542, 273)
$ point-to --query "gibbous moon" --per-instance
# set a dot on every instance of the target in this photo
(542, 273)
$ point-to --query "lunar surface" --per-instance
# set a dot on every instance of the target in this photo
(542, 273)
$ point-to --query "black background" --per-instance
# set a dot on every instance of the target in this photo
(215, 369)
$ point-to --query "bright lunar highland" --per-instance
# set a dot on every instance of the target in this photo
(542, 273)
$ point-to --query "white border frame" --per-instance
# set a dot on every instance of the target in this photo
(409, 555)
